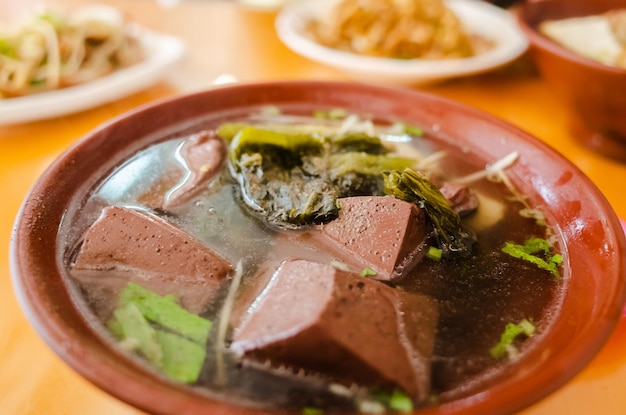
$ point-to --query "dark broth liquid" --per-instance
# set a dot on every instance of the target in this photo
(477, 296)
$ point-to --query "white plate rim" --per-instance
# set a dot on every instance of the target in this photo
(163, 52)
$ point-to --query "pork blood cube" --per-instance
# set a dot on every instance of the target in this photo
(323, 320)
(461, 198)
(127, 245)
(202, 155)
(383, 233)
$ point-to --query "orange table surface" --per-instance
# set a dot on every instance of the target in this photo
(224, 38)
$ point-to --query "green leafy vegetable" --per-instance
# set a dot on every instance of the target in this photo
(165, 311)
(130, 325)
(358, 142)
(366, 164)
(288, 145)
(228, 131)
(537, 251)
(182, 358)
(165, 334)
(294, 175)
(414, 187)
(287, 197)
(511, 332)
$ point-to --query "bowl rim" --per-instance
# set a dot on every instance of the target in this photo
(543, 42)
(111, 365)
(511, 43)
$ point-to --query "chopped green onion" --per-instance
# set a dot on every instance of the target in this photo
(367, 272)
(530, 252)
(311, 411)
(511, 332)
(400, 402)
(381, 401)
(434, 253)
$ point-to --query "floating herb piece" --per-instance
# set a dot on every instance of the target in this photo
(434, 253)
(397, 401)
(511, 332)
(312, 411)
(400, 402)
(367, 272)
(537, 251)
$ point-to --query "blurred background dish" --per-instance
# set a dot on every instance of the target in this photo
(595, 91)
(501, 39)
(56, 63)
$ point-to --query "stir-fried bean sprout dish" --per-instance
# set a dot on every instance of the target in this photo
(56, 50)
(403, 29)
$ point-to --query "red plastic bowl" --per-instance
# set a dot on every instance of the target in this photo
(587, 228)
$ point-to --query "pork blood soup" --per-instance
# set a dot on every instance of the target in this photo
(316, 262)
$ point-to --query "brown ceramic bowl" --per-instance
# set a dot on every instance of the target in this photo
(595, 92)
(588, 230)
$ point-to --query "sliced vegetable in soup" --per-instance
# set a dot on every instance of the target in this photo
(322, 263)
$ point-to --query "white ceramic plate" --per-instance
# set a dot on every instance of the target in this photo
(162, 53)
(478, 17)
